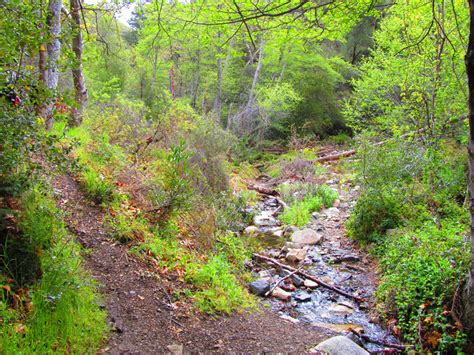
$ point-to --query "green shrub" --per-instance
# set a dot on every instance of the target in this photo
(220, 291)
(96, 185)
(65, 316)
(421, 271)
(374, 213)
(230, 212)
(304, 199)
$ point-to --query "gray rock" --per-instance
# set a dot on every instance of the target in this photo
(259, 287)
(302, 297)
(306, 237)
(251, 231)
(340, 345)
(332, 212)
(295, 255)
(346, 257)
(297, 281)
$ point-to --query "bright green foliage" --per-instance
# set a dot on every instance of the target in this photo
(375, 213)
(305, 199)
(65, 315)
(421, 271)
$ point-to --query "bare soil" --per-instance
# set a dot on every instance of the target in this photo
(141, 313)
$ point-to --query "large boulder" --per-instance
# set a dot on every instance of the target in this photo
(259, 287)
(339, 345)
(306, 237)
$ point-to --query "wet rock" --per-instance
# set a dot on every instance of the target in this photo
(297, 281)
(340, 345)
(340, 309)
(289, 230)
(281, 294)
(251, 231)
(310, 284)
(346, 258)
(306, 237)
(295, 255)
(302, 297)
(259, 287)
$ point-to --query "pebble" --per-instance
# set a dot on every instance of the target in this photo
(310, 284)
(281, 294)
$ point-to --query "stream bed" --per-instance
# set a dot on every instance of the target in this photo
(326, 254)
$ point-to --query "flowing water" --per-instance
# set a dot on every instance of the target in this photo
(334, 261)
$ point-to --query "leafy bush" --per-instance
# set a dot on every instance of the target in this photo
(421, 271)
(304, 199)
(230, 212)
(61, 312)
(97, 185)
(220, 289)
(374, 213)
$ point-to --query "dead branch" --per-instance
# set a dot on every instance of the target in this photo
(309, 277)
(263, 189)
(380, 342)
(269, 292)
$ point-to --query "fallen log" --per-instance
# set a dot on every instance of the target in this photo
(263, 189)
(337, 156)
(309, 277)
(380, 342)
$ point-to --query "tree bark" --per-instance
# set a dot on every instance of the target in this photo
(53, 48)
(468, 302)
(80, 89)
(218, 100)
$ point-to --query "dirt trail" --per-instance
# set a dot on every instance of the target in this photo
(138, 305)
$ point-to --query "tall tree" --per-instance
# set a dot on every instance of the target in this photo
(80, 88)
(469, 59)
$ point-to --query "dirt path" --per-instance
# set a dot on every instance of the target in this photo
(138, 305)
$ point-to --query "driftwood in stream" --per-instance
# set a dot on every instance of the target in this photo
(379, 342)
(309, 277)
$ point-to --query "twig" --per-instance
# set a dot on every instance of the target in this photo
(309, 277)
(281, 280)
(380, 342)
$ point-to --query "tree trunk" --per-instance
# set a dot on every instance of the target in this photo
(251, 100)
(468, 302)
(53, 49)
(80, 89)
(218, 100)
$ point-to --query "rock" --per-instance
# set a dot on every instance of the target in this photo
(281, 294)
(340, 309)
(310, 284)
(306, 237)
(332, 212)
(175, 349)
(291, 245)
(265, 220)
(302, 297)
(259, 287)
(289, 230)
(336, 203)
(278, 233)
(295, 255)
(289, 318)
(267, 274)
(316, 215)
(346, 257)
(297, 281)
(251, 231)
(288, 287)
(340, 345)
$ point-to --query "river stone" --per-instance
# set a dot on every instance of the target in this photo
(310, 284)
(302, 297)
(339, 345)
(251, 231)
(331, 212)
(259, 287)
(295, 255)
(340, 309)
(281, 294)
(306, 237)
